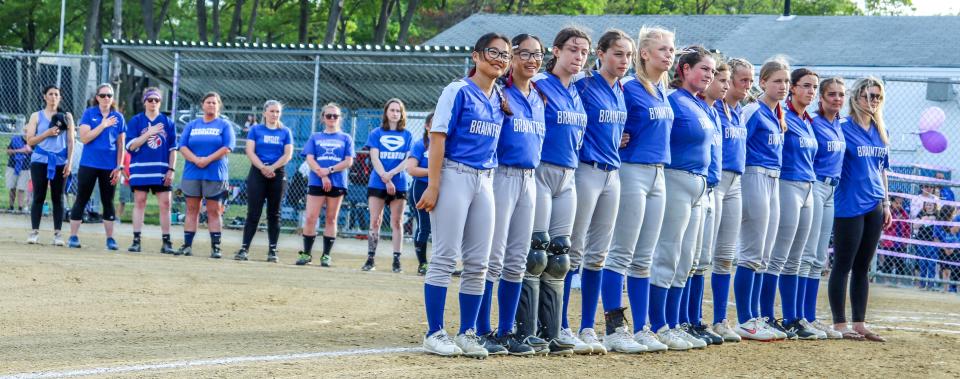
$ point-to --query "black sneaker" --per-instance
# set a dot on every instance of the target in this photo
(241, 255)
(801, 332)
(134, 247)
(325, 260)
(215, 252)
(422, 270)
(707, 332)
(396, 265)
(558, 348)
(689, 329)
(489, 342)
(513, 345)
(779, 326)
(538, 344)
(369, 266)
(304, 259)
(184, 251)
(272, 256)
(167, 248)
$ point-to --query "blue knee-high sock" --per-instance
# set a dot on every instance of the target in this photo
(720, 284)
(435, 298)
(788, 297)
(638, 292)
(768, 296)
(696, 299)
(743, 293)
(611, 290)
(674, 298)
(469, 308)
(658, 307)
(486, 303)
(508, 298)
(755, 295)
(810, 299)
(567, 282)
(590, 293)
(801, 294)
(685, 303)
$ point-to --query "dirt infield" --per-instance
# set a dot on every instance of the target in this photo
(119, 313)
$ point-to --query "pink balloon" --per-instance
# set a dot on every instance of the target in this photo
(934, 141)
(932, 119)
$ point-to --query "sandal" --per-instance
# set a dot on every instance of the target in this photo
(849, 334)
(871, 336)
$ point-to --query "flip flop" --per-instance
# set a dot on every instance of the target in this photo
(871, 336)
(851, 335)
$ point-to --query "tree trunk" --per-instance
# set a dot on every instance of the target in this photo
(116, 33)
(333, 17)
(380, 33)
(252, 20)
(236, 22)
(90, 36)
(407, 20)
(202, 20)
(215, 14)
(304, 20)
(146, 8)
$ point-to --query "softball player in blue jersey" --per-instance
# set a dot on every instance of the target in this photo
(686, 182)
(727, 200)
(389, 147)
(761, 203)
(863, 210)
(827, 165)
(102, 131)
(515, 192)
(49, 132)
(598, 182)
(417, 168)
(459, 195)
(643, 193)
(693, 292)
(796, 207)
(556, 205)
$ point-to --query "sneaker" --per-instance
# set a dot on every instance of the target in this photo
(622, 341)
(440, 343)
(184, 251)
(556, 347)
(589, 337)
(325, 260)
(538, 344)
(801, 332)
(821, 335)
(752, 330)
(304, 259)
(672, 339)
(764, 323)
(514, 346)
(370, 266)
(470, 344)
(58, 239)
(112, 244)
(726, 332)
(422, 270)
(831, 334)
(489, 342)
(241, 255)
(685, 331)
(272, 255)
(568, 338)
(167, 248)
(134, 247)
(215, 252)
(705, 331)
(33, 238)
(74, 242)
(396, 265)
(648, 338)
(778, 326)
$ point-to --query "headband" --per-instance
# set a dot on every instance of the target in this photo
(151, 93)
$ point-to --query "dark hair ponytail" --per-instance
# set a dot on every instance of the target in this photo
(690, 55)
(478, 47)
(43, 94)
(426, 134)
(562, 37)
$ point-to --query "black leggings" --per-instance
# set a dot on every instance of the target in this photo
(38, 173)
(854, 245)
(87, 178)
(259, 190)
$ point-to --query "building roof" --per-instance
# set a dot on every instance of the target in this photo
(860, 41)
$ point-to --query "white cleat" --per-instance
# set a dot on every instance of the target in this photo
(622, 341)
(58, 240)
(589, 337)
(440, 343)
(827, 329)
(695, 342)
(33, 238)
(809, 328)
(470, 344)
(724, 330)
(647, 338)
(568, 338)
(752, 330)
(672, 339)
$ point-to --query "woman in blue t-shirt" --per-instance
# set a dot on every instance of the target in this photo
(417, 167)
(389, 146)
(50, 133)
(329, 154)
(205, 144)
(102, 131)
(269, 148)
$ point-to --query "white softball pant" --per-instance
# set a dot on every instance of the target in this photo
(673, 256)
(643, 197)
(556, 200)
(708, 233)
(796, 213)
(515, 194)
(598, 197)
(761, 214)
(462, 222)
(815, 251)
(729, 213)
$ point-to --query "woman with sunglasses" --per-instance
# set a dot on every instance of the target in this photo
(389, 146)
(459, 195)
(153, 158)
(50, 133)
(103, 132)
(328, 154)
(269, 148)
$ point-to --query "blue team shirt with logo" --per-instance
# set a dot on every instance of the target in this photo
(421, 153)
(472, 123)
(606, 116)
(521, 138)
(565, 121)
(149, 162)
(799, 147)
(764, 136)
(649, 119)
(716, 148)
(204, 139)
(394, 146)
(831, 147)
(269, 143)
(101, 153)
(864, 160)
(329, 149)
(691, 135)
(734, 136)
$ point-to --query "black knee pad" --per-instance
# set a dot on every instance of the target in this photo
(557, 265)
(536, 262)
(539, 241)
(559, 245)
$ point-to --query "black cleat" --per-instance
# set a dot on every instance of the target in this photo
(779, 326)
(184, 251)
(538, 344)
(167, 248)
(325, 260)
(396, 265)
(241, 255)
(513, 345)
(711, 337)
(558, 348)
(801, 333)
(215, 252)
(422, 270)
(490, 342)
(369, 265)
(134, 247)
(304, 259)
(272, 256)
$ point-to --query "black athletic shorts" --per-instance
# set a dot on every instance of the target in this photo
(388, 198)
(333, 192)
(155, 189)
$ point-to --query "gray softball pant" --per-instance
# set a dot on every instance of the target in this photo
(796, 213)
(462, 222)
(673, 256)
(815, 251)
(761, 216)
(643, 197)
(515, 194)
(728, 213)
(598, 198)
(708, 233)
(556, 200)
